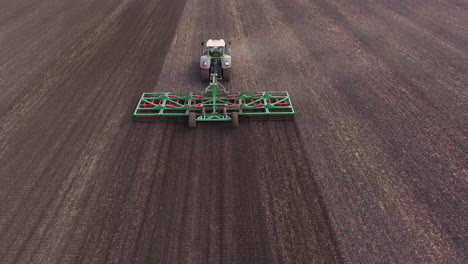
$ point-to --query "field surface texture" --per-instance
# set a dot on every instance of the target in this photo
(372, 170)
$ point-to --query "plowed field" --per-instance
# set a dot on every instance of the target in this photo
(372, 169)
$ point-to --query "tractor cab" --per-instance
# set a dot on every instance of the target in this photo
(216, 52)
(214, 48)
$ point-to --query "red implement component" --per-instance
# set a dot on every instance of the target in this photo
(198, 96)
(146, 105)
(257, 95)
(233, 105)
(232, 95)
(197, 106)
(259, 105)
(170, 105)
(283, 103)
(172, 96)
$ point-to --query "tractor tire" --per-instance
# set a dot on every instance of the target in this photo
(227, 74)
(235, 119)
(205, 75)
(192, 121)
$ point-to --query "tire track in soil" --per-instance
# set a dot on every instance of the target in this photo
(261, 229)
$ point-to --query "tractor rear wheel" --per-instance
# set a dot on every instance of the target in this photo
(205, 75)
(227, 74)
(192, 121)
(235, 119)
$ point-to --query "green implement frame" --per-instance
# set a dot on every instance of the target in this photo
(214, 104)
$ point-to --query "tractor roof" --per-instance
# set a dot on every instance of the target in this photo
(215, 43)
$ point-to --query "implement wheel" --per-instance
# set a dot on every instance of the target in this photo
(192, 120)
(235, 119)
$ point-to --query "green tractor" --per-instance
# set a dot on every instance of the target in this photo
(215, 102)
(216, 58)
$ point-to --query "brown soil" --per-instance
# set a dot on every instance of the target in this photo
(372, 170)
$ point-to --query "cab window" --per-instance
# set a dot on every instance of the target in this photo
(216, 51)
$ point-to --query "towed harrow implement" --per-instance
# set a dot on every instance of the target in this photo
(214, 104)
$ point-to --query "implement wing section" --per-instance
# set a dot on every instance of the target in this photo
(153, 106)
